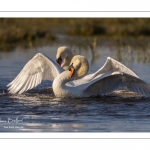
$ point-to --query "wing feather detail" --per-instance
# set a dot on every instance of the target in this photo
(112, 65)
(39, 68)
(115, 81)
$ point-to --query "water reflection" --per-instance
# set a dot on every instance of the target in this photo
(143, 56)
(86, 48)
(126, 51)
(125, 55)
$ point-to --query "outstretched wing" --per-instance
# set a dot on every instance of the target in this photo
(112, 65)
(117, 80)
(39, 68)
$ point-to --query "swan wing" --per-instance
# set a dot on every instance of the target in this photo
(114, 81)
(112, 65)
(39, 68)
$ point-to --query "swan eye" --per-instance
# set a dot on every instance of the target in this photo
(59, 61)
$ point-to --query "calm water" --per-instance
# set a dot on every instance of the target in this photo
(39, 111)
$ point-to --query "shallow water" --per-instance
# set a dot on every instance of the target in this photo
(39, 111)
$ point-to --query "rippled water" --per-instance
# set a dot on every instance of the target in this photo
(39, 111)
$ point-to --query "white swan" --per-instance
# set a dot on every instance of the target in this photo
(64, 56)
(43, 68)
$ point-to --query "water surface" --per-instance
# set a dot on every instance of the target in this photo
(39, 111)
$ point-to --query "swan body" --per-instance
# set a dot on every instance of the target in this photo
(78, 68)
(71, 83)
(103, 84)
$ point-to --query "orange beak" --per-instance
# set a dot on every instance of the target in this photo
(71, 71)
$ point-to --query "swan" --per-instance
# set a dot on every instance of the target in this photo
(64, 56)
(40, 67)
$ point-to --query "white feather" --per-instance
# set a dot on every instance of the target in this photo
(39, 68)
(110, 65)
(112, 76)
(102, 84)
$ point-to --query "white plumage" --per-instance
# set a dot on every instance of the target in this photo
(110, 65)
(39, 68)
(112, 76)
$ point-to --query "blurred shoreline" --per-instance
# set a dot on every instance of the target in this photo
(14, 30)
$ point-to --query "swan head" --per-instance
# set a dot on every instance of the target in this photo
(64, 56)
(79, 67)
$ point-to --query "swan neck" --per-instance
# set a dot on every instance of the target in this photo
(59, 84)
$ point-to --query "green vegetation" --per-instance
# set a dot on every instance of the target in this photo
(14, 30)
